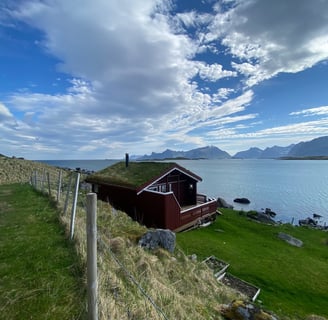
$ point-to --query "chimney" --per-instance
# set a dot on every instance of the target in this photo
(126, 160)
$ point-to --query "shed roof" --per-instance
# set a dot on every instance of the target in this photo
(137, 175)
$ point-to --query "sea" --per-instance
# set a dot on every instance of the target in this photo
(293, 189)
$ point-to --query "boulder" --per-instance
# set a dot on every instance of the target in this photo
(242, 310)
(154, 239)
(308, 222)
(221, 203)
(291, 240)
(242, 200)
(269, 212)
(261, 217)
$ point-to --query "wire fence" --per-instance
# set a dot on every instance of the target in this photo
(70, 192)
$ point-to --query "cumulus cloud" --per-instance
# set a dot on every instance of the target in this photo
(269, 37)
(214, 72)
(5, 114)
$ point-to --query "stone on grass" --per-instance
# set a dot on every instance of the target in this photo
(158, 238)
(291, 240)
(242, 310)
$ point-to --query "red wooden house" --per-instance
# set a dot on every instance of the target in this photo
(157, 194)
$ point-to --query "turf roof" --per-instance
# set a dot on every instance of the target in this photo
(135, 175)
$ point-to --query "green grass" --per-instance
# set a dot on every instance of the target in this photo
(40, 274)
(293, 281)
(135, 175)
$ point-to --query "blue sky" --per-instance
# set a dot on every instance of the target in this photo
(96, 79)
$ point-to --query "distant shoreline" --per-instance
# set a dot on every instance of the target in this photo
(305, 158)
(233, 158)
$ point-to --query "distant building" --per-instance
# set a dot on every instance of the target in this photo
(157, 194)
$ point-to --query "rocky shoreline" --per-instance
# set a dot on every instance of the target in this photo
(268, 216)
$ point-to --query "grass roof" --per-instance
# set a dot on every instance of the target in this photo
(135, 175)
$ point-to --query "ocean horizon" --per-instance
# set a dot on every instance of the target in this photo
(294, 189)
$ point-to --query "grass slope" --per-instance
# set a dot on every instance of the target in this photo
(293, 280)
(40, 277)
(19, 170)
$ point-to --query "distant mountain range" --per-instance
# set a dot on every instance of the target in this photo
(314, 148)
(268, 153)
(209, 152)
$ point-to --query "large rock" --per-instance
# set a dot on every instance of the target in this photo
(261, 217)
(242, 310)
(154, 239)
(291, 240)
(242, 200)
(221, 203)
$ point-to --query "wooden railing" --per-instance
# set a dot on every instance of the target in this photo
(202, 209)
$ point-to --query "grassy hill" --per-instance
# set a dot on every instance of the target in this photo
(14, 170)
(293, 281)
(129, 277)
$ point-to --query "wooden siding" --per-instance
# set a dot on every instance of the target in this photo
(123, 199)
(169, 214)
(183, 186)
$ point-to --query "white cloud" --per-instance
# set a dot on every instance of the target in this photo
(5, 114)
(311, 111)
(214, 72)
(270, 37)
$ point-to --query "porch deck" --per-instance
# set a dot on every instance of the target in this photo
(192, 215)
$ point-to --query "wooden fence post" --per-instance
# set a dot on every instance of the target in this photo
(92, 283)
(76, 193)
(67, 193)
(59, 185)
(49, 188)
(43, 179)
(36, 179)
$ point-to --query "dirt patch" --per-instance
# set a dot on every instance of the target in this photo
(242, 286)
(218, 266)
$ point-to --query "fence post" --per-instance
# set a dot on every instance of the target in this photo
(76, 193)
(49, 188)
(36, 179)
(59, 185)
(92, 283)
(67, 193)
(43, 179)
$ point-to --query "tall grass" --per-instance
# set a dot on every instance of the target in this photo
(13, 170)
(181, 288)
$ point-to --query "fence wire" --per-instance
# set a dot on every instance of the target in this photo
(130, 276)
(47, 184)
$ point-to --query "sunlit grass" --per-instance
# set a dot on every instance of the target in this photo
(293, 280)
(181, 288)
(40, 275)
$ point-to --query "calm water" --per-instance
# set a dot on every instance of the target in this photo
(293, 189)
